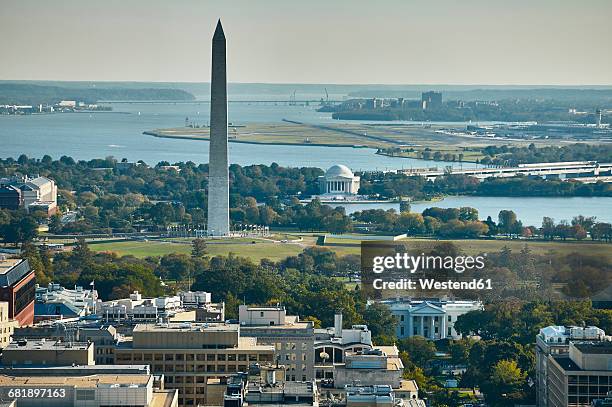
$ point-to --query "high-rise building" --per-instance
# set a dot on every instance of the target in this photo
(218, 171)
(431, 100)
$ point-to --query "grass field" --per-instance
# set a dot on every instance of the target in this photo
(261, 249)
(471, 247)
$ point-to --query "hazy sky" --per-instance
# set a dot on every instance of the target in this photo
(314, 41)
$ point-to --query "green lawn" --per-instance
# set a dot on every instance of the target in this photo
(242, 247)
(474, 246)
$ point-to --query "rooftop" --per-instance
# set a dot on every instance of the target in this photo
(46, 345)
(597, 348)
(186, 327)
(12, 271)
(76, 381)
(7, 264)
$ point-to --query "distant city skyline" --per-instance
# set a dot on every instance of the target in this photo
(342, 42)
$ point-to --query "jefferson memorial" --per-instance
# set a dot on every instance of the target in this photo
(339, 180)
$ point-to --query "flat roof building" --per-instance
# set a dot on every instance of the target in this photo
(48, 353)
(582, 375)
(190, 354)
(555, 340)
(17, 286)
(292, 339)
(79, 386)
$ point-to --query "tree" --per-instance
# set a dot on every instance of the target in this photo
(381, 322)
(506, 221)
(420, 350)
(198, 248)
(548, 228)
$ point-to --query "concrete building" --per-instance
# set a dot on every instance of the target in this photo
(333, 344)
(431, 318)
(339, 180)
(555, 340)
(194, 299)
(267, 387)
(582, 375)
(17, 286)
(189, 355)
(379, 366)
(39, 192)
(104, 337)
(85, 386)
(431, 100)
(7, 325)
(56, 302)
(137, 309)
(48, 353)
(211, 312)
(292, 339)
(218, 170)
(10, 197)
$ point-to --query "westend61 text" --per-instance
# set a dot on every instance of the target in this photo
(431, 284)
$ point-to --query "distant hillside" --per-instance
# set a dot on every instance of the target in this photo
(19, 93)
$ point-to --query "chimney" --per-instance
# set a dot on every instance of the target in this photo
(338, 324)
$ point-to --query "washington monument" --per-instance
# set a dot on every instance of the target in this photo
(218, 176)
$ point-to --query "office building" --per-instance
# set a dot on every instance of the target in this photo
(292, 339)
(17, 288)
(379, 366)
(56, 302)
(191, 354)
(333, 344)
(48, 353)
(431, 100)
(430, 318)
(580, 376)
(555, 340)
(104, 337)
(7, 325)
(85, 386)
(37, 193)
(137, 309)
(10, 197)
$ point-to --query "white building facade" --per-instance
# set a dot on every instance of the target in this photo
(432, 318)
(339, 180)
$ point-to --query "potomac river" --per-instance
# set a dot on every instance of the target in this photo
(119, 134)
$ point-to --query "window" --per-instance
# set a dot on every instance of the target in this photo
(85, 395)
(242, 357)
(261, 314)
(450, 319)
(402, 330)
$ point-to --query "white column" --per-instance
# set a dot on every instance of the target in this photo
(432, 331)
(422, 330)
(443, 327)
(410, 329)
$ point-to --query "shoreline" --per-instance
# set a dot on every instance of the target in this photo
(280, 143)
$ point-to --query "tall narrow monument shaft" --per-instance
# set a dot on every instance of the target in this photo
(218, 176)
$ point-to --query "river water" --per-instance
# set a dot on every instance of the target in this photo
(119, 133)
(97, 135)
(529, 210)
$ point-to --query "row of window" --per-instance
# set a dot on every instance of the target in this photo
(189, 357)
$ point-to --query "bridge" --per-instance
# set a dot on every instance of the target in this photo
(584, 171)
(207, 102)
